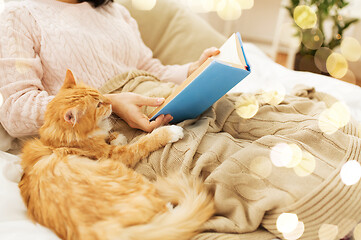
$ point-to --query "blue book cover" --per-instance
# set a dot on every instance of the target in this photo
(211, 81)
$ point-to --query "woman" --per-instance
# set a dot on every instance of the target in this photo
(96, 39)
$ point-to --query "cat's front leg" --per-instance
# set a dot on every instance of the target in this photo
(131, 154)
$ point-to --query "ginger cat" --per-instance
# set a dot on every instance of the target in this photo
(83, 188)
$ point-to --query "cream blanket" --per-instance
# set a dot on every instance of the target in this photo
(234, 157)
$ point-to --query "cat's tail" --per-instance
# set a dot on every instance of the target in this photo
(194, 207)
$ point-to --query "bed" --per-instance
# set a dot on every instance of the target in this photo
(13, 221)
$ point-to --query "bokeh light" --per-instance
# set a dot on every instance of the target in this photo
(144, 5)
(287, 222)
(273, 94)
(229, 9)
(351, 49)
(246, 4)
(357, 232)
(306, 166)
(337, 65)
(327, 232)
(306, 63)
(295, 234)
(305, 17)
(350, 172)
(327, 122)
(246, 106)
(273, 97)
(281, 155)
(296, 156)
(320, 58)
(333, 118)
(226, 9)
(312, 38)
(261, 167)
(349, 77)
(202, 6)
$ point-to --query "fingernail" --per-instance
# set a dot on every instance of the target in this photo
(160, 100)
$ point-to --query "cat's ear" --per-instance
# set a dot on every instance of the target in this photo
(69, 81)
(72, 116)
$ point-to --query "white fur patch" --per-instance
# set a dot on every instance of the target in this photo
(105, 126)
(120, 140)
(176, 132)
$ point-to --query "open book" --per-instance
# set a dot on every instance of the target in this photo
(212, 80)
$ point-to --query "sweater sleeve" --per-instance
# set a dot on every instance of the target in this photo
(146, 61)
(21, 72)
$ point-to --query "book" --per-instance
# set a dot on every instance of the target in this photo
(207, 84)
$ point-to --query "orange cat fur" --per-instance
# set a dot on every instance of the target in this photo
(83, 188)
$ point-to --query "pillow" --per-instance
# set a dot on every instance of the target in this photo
(174, 33)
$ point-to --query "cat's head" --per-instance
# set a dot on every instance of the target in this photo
(76, 112)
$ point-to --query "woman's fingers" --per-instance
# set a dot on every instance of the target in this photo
(148, 126)
(148, 101)
(209, 52)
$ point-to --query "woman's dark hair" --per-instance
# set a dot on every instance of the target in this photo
(96, 3)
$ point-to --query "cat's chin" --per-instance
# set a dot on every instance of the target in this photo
(105, 124)
(104, 128)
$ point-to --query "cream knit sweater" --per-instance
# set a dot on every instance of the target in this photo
(41, 39)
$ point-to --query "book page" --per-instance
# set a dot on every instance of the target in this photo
(230, 52)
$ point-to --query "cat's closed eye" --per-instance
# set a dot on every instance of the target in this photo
(99, 104)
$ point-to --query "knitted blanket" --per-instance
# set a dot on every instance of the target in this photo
(279, 161)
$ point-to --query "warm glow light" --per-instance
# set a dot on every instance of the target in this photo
(320, 58)
(350, 172)
(312, 38)
(281, 155)
(296, 156)
(274, 97)
(306, 166)
(273, 94)
(295, 234)
(229, 9)
(246, 106)
(287, 222)
(260, 167)
(349, 77)
(246, 4)
(337, 65)
(144, 5)
(357, 232)
(333, 118)
(351, 49)
(305, 17)
(202, 6)
(327, 232)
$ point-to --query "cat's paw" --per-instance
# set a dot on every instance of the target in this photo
(176, 133)
(119, 140)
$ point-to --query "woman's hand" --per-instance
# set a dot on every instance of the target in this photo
(209, 52)
(128, 107)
